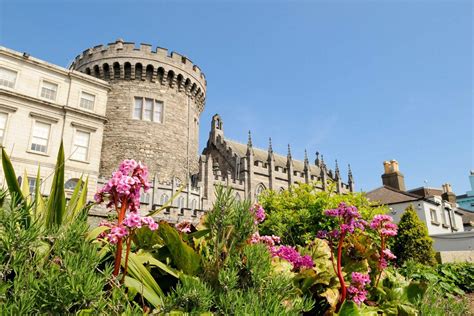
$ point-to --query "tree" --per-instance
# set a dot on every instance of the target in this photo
(412, 241)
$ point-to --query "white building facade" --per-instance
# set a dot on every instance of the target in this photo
(42, 104)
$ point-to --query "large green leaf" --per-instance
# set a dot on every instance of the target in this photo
(56, 206)
(25, 188)
(184, 257)
(11, 179)
(144, 290)
(147, 258)
(349, 308)
(147, 285)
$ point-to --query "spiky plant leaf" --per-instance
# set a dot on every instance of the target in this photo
(11, 179)
(57, 200)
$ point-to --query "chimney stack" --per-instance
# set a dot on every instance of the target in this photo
(448, 194)
(392, 176)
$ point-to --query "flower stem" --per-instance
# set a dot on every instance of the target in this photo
(118, 252)
(382, 247)
(339, 271)
(127, 252)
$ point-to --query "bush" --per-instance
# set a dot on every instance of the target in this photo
(51, 272)
(296, 215)
(412, 241)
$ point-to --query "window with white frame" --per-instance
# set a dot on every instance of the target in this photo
(80, 147)
(40, 136)
(434, 216)
(32, 185)
(7, 77)
(148, 110)
(3, 126)
(87, 101)
(49, 90)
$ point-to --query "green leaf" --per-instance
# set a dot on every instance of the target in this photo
(147, 258)
(144, 290)
(137, 270)
(25, 187)
(198, 234)
(11, 179)
(415, 291)
(93, 234)
(184, 257)
(349, 308)
(57, 200)
(71, 206)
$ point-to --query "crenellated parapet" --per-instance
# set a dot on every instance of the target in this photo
(125, 61)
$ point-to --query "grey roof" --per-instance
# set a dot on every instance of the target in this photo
(389, 195)
(262, 155)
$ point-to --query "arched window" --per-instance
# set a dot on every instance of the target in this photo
(160, 74)
(170, 77)
(116, 71)
(138, 71)
(71, 184)
(96, 71)
(179, 80)
(164, 198)
(128, 71)
(193, 204)
(181, 202)
(149, 72)
(237, 197)
(106, 69)
(258, 190)
(88, 71)
(144, 197)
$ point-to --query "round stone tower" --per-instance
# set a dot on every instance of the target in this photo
(153, 107)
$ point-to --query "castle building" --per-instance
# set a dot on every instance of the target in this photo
(120, 102)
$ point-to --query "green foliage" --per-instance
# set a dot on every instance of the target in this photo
(448, 278)
(296, 215)
(53, 273)
(412, 241)
(184, 257)
(434, 303)
(191, 295)
(55, 212)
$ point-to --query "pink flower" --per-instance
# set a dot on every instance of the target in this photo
(258, 213)
(184, 227)
(384, 223)
(290, 254)
(357, 291)
(270, 241)
(132, 220)
(388, 254)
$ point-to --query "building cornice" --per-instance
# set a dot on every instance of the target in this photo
(52, 105)
(26, 58)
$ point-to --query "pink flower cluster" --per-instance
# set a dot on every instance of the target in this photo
(349, 218)
(385, 255)
(125, 185)
(258, 213)
(357, 291)
(270, 241)
(385, 224)
(290, 254)
(131, 221)
(183, 227)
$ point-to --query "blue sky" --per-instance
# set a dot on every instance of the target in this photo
(359, 81)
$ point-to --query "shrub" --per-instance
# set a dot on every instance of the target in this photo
(298, 214)
(412, 241)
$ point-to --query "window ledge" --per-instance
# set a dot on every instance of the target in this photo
(78, 160)
(37, 152)
(435, 223)
(445, 226)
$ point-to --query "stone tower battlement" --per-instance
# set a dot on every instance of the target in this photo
(153, 107)
(124, 61)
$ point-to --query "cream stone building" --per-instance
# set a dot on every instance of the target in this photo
(40, 104)
(126, 101)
